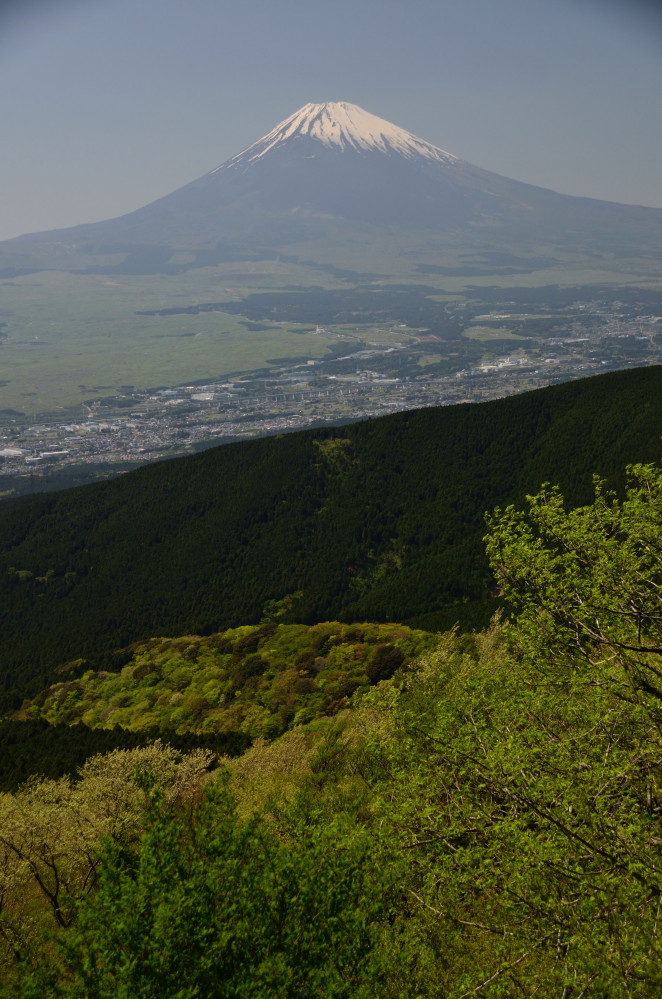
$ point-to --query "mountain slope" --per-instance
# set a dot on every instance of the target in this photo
(381, 520)
(334, 172)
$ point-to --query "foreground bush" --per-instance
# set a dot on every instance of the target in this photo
(212, 906)
(523, 775)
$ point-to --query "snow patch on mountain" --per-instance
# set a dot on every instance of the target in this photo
(342, 126)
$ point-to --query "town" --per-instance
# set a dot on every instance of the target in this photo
(376, 370)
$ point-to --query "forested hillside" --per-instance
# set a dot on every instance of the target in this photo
(254, 682)
(380, 520)
(220, 692)
(486, 822)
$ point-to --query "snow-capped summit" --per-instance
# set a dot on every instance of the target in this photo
(333, 184)
(342, 126)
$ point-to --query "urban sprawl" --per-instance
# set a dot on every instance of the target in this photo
(375, 370)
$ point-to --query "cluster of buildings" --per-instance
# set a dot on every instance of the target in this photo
(135, 427)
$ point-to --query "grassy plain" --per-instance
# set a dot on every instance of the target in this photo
(69, 337)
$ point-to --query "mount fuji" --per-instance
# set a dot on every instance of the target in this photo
(333, 175)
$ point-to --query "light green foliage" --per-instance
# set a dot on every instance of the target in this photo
(587, 582)
(524, 779)
(257, 680)
(51, 832)
(276, 771)
(213, 907)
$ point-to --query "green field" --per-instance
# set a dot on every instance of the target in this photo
(70, 337)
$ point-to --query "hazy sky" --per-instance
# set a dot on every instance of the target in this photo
(107, 106)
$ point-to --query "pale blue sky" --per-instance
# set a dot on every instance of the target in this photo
(106, 106)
